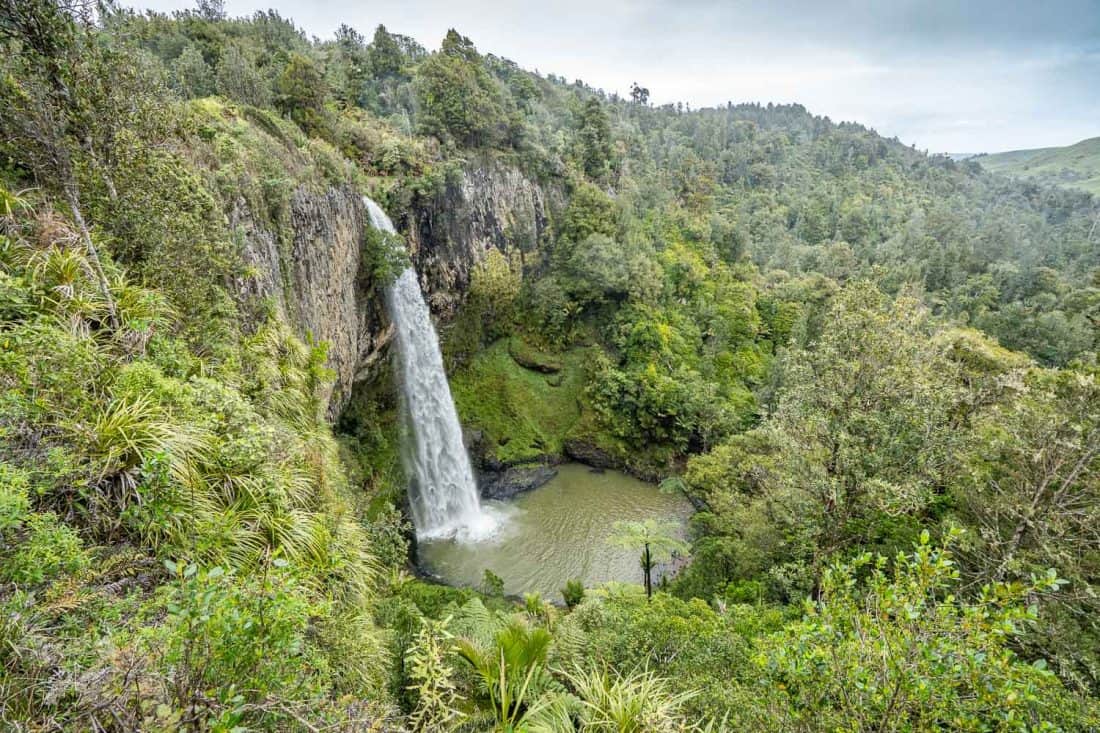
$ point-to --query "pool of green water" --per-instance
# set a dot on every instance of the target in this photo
(557, 532)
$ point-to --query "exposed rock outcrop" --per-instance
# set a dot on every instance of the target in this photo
(514, 480)
(490, 205)
(499, 480)
(319, 280)
(590, 454)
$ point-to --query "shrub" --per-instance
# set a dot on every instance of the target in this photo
(14, 502)
(901, 651)
(433, 679)
(48, 549)
(231, 641)
(492, 584)
(572, 593)
(511, 669)
(639, 701)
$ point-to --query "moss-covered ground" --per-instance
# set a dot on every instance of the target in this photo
(522, 413)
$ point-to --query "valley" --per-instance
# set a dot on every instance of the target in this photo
(349, 384)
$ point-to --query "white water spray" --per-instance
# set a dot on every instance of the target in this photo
(443, 495)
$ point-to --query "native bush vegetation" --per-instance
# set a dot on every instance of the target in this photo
(872, 371)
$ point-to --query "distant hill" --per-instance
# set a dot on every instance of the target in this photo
(1076, 165)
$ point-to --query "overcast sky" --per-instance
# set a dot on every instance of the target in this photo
(958, 77)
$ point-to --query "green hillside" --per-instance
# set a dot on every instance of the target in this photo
(1076, 165)
(873, 372)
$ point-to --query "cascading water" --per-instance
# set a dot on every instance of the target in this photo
(444, 496)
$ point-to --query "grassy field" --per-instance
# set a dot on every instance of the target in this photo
(1077, 166)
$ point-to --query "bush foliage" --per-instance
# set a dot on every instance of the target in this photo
(872, 371)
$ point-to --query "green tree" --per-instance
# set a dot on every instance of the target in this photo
(211, 10)
(549, 309)
(590, 211)
(191, 75)
(238, 78)
(599, 268)
(899, 650)
(300, 92)
(384, 57)
(1029, 485)
(457, 98)
(350, 67)
(594, 139)
(860, 440)
(459, 46)
(656, 540)
(523, 89)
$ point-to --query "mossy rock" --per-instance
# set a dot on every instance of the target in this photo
(520, 414)
(531, 358)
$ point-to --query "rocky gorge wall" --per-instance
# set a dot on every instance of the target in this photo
(490, 206)
(319, 279)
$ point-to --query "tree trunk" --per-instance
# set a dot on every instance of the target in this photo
(647, 567)
(93, 254)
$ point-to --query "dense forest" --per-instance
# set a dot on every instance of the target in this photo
(872, 371)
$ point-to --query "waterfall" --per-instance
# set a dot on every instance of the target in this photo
(443, 494)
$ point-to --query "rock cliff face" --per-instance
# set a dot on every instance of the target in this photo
(319, 280)
(489, 206)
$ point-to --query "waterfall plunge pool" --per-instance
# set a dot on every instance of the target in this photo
(555, 533)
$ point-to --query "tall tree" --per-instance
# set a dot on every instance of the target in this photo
(655, 539)
(352, 67)
(211, 10)
(191, 75)
(458, 99)
(594, 137)
(240, 80)
(384, 56)
(856, 448)
(300, 91)
(1029, 485)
